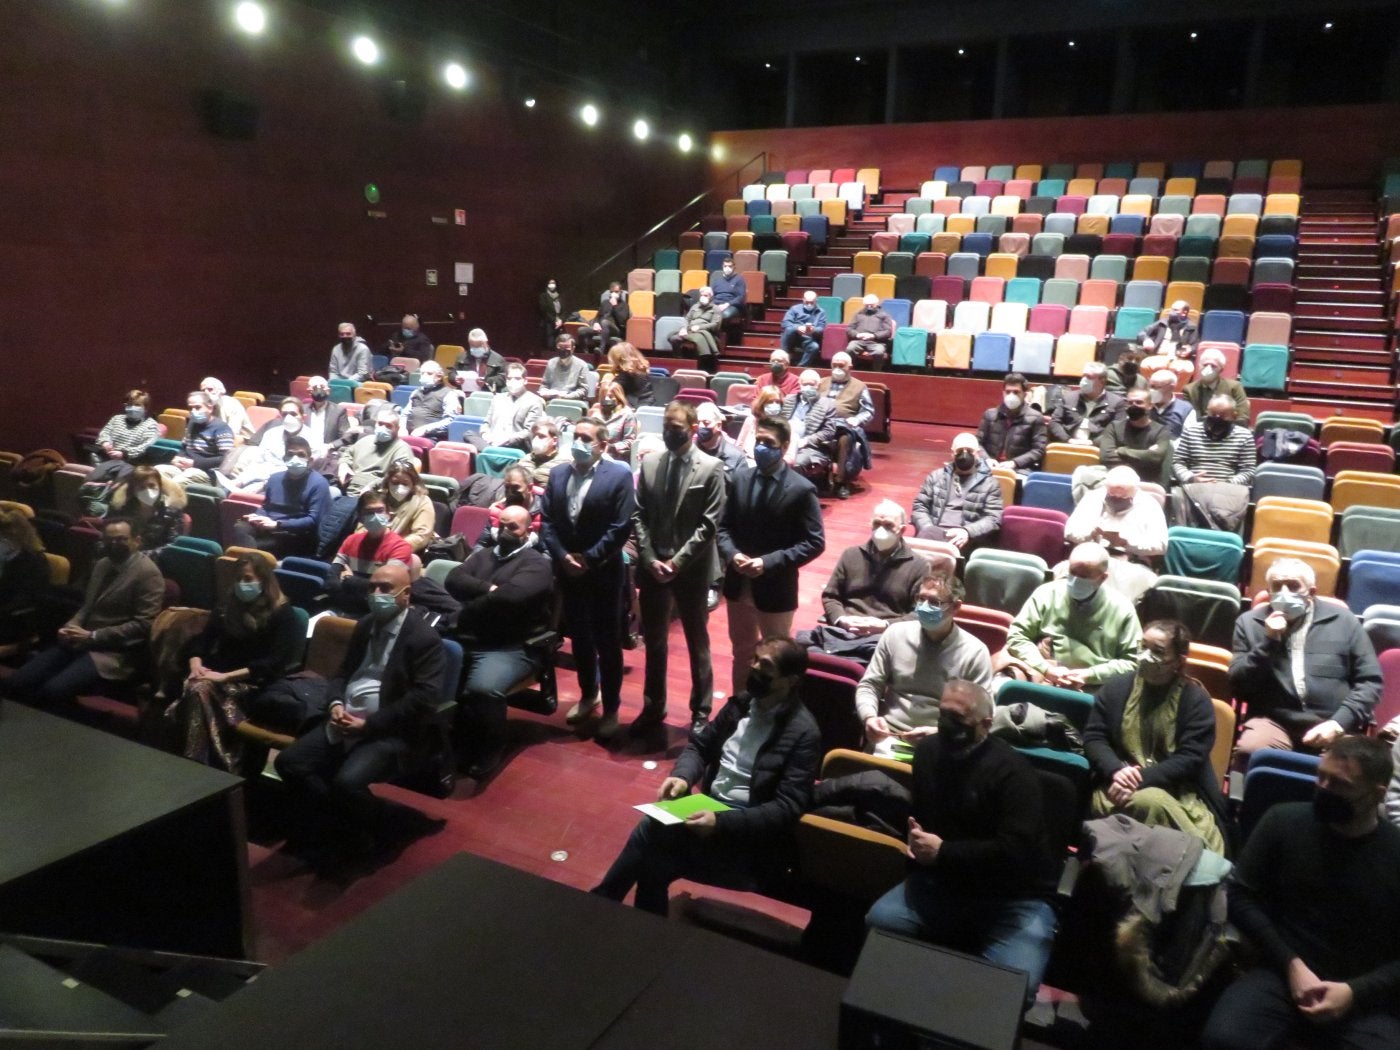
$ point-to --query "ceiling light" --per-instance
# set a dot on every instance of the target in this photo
(365, 49)
(641, 129)
(250, 17)
(685, 143)
(717, 152)
(857, 58)
(530, 102)
(1194, 34)
(455, 74)
(589, 114)
(1071, 43)
(768, 65)
(962, 50)
(1327, 27)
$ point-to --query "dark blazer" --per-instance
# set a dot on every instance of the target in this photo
(784, 769)
(787, 534)
(696, 517)
(818, 422)
(1344, 677)
(604, 521)
(1188, 768)
(122, 602)
(413, 677)
(490, 370)
(1067, 414)
(1020, 438)
(336, 423)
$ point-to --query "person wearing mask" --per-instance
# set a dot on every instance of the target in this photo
(586, 518)
(1317, 893)
(1013, 434)
(701, 331)
(873, 585)
(854, 409)
(350, 356)
(431, 405)
(981, 874)
(517, 490)
(370, 546)
(564, 373)
(248, 469)
(759, 757)
(24, 574)
(1216, 449)
(294, 502)
(229, 409)
(680, 497)
(154, 504)
(771, 527)
(410, 508)
(731, 293)
(1170, 343)
(813, 421)
(1075, 632)
(513, 413)
(544, 451)
(711, 439)
(1168, 409)
(781, 374)
(367, 461)
(767, 405)
(409, 341)
(1306, 668)
(802, 330)
(1126, 372)
(207, 440)
(126, 437)
(1081, 414)
(632, 372)
(609, 325)
(1211, 382)
(390, 681)
(1149, 738)
(960, 502)
(506, 588)
(105, 640)
(870, 333)
(328, 426)
(619, 421)
(552, 312)
(252, 639)
(481, 361)
(1126, 522)
(1137, 440)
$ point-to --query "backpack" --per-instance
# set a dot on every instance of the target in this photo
(394, 375)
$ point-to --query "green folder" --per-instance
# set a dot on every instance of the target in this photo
(674, 811)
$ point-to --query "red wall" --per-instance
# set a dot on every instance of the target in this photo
(138, 249)
(1337, 144)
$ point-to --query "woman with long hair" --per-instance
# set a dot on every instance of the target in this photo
(24, 572)
(155, 505)
(619, 420)
(632, 372)
(767, 404)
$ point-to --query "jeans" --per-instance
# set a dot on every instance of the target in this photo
(689, 592)
(1015, 933)
(54, 676)
(658, 854)
(810, 345)
(490, 674)
(326, 776)
(1257, 1011)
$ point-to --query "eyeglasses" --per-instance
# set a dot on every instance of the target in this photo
(384, 587)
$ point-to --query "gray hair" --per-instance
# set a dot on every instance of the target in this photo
(476, 334)
(1290, 567)
(1095, 369)
(1091, 553)
(890, 507)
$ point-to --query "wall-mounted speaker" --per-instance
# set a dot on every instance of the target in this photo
(227, 115)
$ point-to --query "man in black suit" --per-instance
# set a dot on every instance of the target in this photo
(585, 519)
(390, 679)
(680, 496)
(772, 526)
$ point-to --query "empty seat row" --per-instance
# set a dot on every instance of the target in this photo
(1154, 169)
(834, 210)
(1170, 225)
(1235, 246)
(1147, 205)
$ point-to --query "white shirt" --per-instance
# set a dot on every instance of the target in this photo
(362, 691)
(579, 484)
(737, 757)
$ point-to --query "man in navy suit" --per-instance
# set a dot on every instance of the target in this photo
(585, 518)
(772, 526)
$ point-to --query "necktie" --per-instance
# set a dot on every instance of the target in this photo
(675, 467)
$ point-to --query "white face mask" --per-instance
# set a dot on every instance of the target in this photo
(884, 538)
(291, 424)
(401, 492)
(148, 496)
(1160, 397)
(773, 408)
(539, 445)
(515, 385)
(1081, 589)
(838, 375)
(1012, 402)
(1209, 373)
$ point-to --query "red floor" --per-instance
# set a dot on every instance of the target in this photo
(561, 807)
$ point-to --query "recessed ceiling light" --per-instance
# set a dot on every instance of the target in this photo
(456, 76)
(685, 143)
(365, 49)
(530, 102)
(250, 17)
(641, 129)
(589, 114)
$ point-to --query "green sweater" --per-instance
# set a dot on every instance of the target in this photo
(1100, 637)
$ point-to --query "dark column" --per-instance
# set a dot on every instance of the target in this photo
(1002, 85)
(1254, 64)
(1123, 74)
(891, 85)
(790, 119)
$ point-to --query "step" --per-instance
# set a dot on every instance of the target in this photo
(1341, 340)
(746, 354)
(1341, 254)
(1339, 324)
(1360, 226)
(1356, 375)
(1332, 308)
(1353, 296)
(1371, 272)
(1342, 392)
(1383, 357)
(1347, 286)
(41, 999)
(1329, 241)
(1322, 407)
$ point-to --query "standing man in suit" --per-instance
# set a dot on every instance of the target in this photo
(771, 527)
(586, 517)
(680, 497)
(390, 679)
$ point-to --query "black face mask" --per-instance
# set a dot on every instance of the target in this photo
(963, 461)
(758, 684)
(1330, 807)
(676, 440)
(320, 395)
(1136, 412)
(1129, 369)
(515, 498)
(1218, 428)
(347, 342)
(116, 551)
(955, 735)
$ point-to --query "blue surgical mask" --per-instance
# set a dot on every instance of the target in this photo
(375, 523)
(704, 434)
(135, 413)
(1288, 603)
(383, 606)
(1081, 589)
(929, 615)
(809, 393)
(766, 456)
(478, 351)
(247, 590)
(407, 332)
(383, 435)
(297, 466)
(582, 453)
(199, 415)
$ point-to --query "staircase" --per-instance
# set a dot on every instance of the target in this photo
(1343, 358)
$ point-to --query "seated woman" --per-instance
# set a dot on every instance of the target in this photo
(631, 371)
(126, 437)
(621, 422)
(249, 466)
(155, 505)
(24, 573)
(1149, 738)
(411, 513)
(253, 638)
(367, 548)
(768, 404)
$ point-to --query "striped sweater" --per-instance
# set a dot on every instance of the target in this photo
(1230, 459)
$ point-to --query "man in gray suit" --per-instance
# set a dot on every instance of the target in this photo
(680, 497)
(813, 419)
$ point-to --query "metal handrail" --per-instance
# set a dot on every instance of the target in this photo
(723, 185)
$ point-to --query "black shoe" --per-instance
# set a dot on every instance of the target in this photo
(645, 722)
(712, 602)
(698, 722)
(843, 491)
(485, 764)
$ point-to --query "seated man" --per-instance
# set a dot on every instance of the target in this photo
(1305, 668)
(564, 374)
(803, 325)
(513, 413)
(1081, 414)
(960, 502)
(478, 358)
(207, 440)
(229, 409)
(409, 341)
(1317, 892)
(1213, 382)
(1075, 632)
(1171, 342)
(1168, 409)
(432, 403)
(781, 374)
(367, 461)
(350, 357)
(1138, 441)
(365, 551)
(700, 331)
(759, 757)
(505, 590)
(873, 585)
(390, 681)
(981, 873)
(870, 333)
(1128, 523)
(545, 453)
(1126, 372)
(328, 427)
(609, 325)
(1214, 463)
(294, 502)
(731, 292)
(813, 420)
(105, 640)
(854, 409)
(898, 697)
(711, 439)
(1013, 434)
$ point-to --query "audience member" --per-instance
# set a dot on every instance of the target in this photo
(249, 466)
(409, 341)
(759, 758)
(1304, 668)
(410, 508)
(1075, 632)
(609, 325)
(1212, 382)
(870, 333)
(1149, 740)
(586, 517)
(767, 405)
(367, 461)
(294, 502)
(1216, 449)
(24, 573)
(364, 551)
(229, 409)
(619, 421)
(512, 415)
(1171, 341)
(960, 502)
(564, 374)
(1082, 413)
(1126, 373)
(813, 421)
(1137, 440)
(544, 451)
(125, 437)
(680, 497)
(703, 326)
(478, 358)
(552, 312)
(207, 440)
(432, 403)
(517, 490)
(854, 409)
(1168, 409)
(632, 372)
(772, 526)
(1128, 523)
(328, 426)
(154, 505)
(803, 326)
(780, 373)
(350, 356)
(731, 292)
(981, 872)
(711, 439)
(1317, 893)
(1013, 434)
